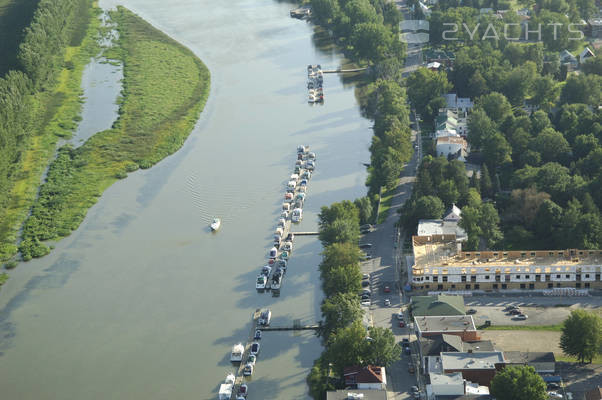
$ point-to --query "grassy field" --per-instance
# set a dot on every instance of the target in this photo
(165, 88)
(548, 328)
(15, 15)
(385, 205)
(56, 116)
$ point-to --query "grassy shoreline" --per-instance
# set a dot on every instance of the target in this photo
(57, 112)
(165, 88)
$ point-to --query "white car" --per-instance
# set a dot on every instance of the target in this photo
(365, 303)
(387, 302)
(400, 316)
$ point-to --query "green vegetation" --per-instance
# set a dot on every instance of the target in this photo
(15, 16)
(3, 278)
(386, 200)
(518, 383)
(549, 328)
(41, 103)
(346, 340)
(582, 335)
(164, 89)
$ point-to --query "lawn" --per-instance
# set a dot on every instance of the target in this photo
(165, 87)
(385, 205)
(548, 328)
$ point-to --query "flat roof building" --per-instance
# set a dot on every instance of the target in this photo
(440, 264)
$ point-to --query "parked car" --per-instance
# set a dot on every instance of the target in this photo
(553, 386)
(387, 289)
(365, 303)
(411, 368)
(387, 302)
(471, 311)
(402, 324)
(365, 245)
(407, 350)
(515, 311)
(367, 291)
(405, 342)
(522, 317)
(400, 315)
(414, 390)
(555, 395)
(365, 297)
(366, 276)
(510, 308)
(365, 283)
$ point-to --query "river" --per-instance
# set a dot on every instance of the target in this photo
(142, 302)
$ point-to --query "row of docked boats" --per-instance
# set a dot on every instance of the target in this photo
(272, 274)
(315, 79)
(239, 354)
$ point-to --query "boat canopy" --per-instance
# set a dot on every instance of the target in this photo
(286, 206)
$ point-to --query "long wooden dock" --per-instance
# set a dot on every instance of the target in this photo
(240, 379)
(342, 71)
(306, 233)
(291, 328)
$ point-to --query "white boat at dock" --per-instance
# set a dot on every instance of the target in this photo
(215, 225)
(297, 215)
(302, 149)
(261, 282)
(237, 352)
(276, 280)
(265, 317)
(225, 389)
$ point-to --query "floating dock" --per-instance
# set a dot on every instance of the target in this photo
(306, 233)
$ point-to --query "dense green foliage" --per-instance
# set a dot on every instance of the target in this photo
(518, 383)
(347, 341)
(15, 15)
(39, 99)
(367, 31)
(582, 335)
(164, 89)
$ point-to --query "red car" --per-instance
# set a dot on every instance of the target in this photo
(387, 289)
(401, 324)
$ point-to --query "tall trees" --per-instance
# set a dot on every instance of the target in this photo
(424, 86)
(339, 311)
(518, 383)
(581, 335)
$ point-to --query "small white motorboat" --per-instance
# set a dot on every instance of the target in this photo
(237, 352)
(215, 224)
(260, 285)
(265, 317)
(273, 252)
(297, 215)
(247, 370)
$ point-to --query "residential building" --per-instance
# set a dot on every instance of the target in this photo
(439, 264)
(439, 305)
(543, 362)
(368, 377)
(594, 26)
(568, 59)
(458, 325)
(452, 147)
(585, 54)
(435, 345)
(356, 395)
(458, 104)
(454, 386)
(478, 367)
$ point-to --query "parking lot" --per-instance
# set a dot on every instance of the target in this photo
(540, 310)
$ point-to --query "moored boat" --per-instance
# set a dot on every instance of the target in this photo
(261, 282)
(265, 317)
(237, 352)
(225, 389)
(297, 215)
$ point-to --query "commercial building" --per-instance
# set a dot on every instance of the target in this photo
(438, 305)
(440, 265)
(458, 325)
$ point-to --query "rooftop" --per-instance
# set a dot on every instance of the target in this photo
(452, 140)
(446, 379)
(440, 305)
(428, 227)
(357, 395)
(453, 323)
(442, 251)
(525, 357)
(463, 361)
(367, 374)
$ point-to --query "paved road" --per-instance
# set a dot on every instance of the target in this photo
(384, 271)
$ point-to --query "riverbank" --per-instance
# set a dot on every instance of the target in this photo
(165, 88)
(55, 113)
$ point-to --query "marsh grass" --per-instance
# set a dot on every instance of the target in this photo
(165, 87)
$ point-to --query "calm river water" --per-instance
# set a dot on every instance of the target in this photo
(142, 302)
